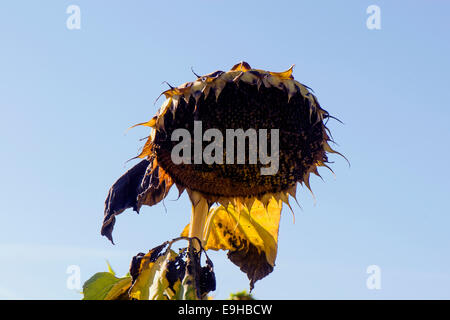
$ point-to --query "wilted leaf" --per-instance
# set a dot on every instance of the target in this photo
(160, 275)
(187, 289)
(251, 238)
(207, 279)
(141, 185)
(143, 270)
(159, 289)
(123, 195)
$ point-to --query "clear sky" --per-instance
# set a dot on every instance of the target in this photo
(67, 97)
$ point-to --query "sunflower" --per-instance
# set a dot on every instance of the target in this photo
(241, 98)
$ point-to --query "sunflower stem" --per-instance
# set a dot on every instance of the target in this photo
(198, 222)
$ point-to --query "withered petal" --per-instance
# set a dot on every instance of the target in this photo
(252, 262)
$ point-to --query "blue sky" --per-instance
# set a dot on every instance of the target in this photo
(67, 97)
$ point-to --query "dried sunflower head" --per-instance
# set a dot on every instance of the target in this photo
(242, 98)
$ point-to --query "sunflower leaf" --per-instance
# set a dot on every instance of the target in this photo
(106, 286)
(168, 276)
(251, 237)
(148, 275)
(123, 195)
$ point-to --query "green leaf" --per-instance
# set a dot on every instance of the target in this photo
(110, 269)
(241, 295)
(120, 289)
(105, 286)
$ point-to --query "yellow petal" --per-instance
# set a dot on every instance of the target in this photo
(285, 74)
(241, 66)
(151, 123)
